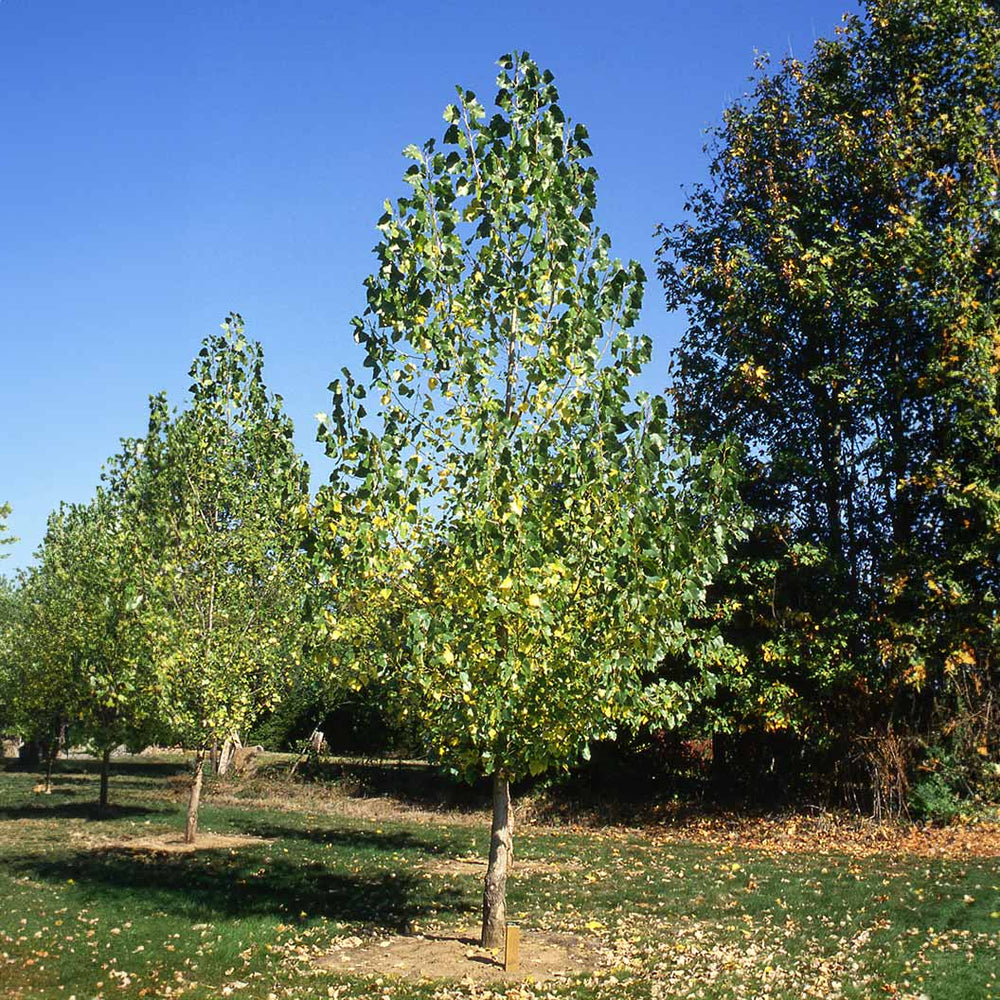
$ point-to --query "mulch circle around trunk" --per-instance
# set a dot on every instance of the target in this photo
(545, 956)
(173, 843)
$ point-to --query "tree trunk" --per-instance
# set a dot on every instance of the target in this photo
(102, 803)
(501, 851)
(191, 829)
(227, 754)
(49, 760)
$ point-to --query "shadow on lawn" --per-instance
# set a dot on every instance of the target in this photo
(217, 884)
(75, 810)
(394, 840)
(136, 767)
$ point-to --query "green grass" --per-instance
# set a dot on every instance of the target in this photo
(672, 919)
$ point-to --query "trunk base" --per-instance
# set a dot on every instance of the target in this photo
(501, 850)
(191, 828)
(102, 802)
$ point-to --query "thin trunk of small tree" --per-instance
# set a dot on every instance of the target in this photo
(191, 829)
(102, 803)
(51, 752)
(501, 852)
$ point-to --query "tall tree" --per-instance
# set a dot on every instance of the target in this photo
(218, 496)
(520, 553)
(840, 274)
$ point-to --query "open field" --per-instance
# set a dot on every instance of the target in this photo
(710, 907)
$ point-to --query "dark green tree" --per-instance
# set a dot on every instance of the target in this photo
(840, 273)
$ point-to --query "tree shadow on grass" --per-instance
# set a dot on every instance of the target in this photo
(364, 840)
(76, 810)
(217, 884)
(132, 766)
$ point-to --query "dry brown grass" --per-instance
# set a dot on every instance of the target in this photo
(171, 842)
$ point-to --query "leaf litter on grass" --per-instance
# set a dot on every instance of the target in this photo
(713, 907)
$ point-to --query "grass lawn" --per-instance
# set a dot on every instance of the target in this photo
(664, 914)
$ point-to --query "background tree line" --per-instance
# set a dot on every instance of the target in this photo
(840, 273)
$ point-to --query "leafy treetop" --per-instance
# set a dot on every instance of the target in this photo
(520, 552)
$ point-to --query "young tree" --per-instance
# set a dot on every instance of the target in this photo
(8, 611)
(10, 606)
(103, 650)
(514, 552)
(42, 695)
(840, 274)
(218, 496)
(74, 646)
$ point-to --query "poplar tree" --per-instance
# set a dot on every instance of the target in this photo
(76, 646)
(218, 496)
(510, 543)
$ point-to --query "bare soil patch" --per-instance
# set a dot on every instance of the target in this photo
(173, 843)
(545, 956)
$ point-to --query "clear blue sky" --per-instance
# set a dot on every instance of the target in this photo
(162, 163)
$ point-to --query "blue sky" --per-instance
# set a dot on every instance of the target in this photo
(164, 163)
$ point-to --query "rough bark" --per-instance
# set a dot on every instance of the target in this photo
(501, 851)
(191, 829)
(228, 754)
(102, 803)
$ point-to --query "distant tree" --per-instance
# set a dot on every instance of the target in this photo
(840, 273)
(511, 547)
(218, 497)
(101, 648)
(39, 677)
(5, 537)
(10, 605)
(10, 608)
(73, 645)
